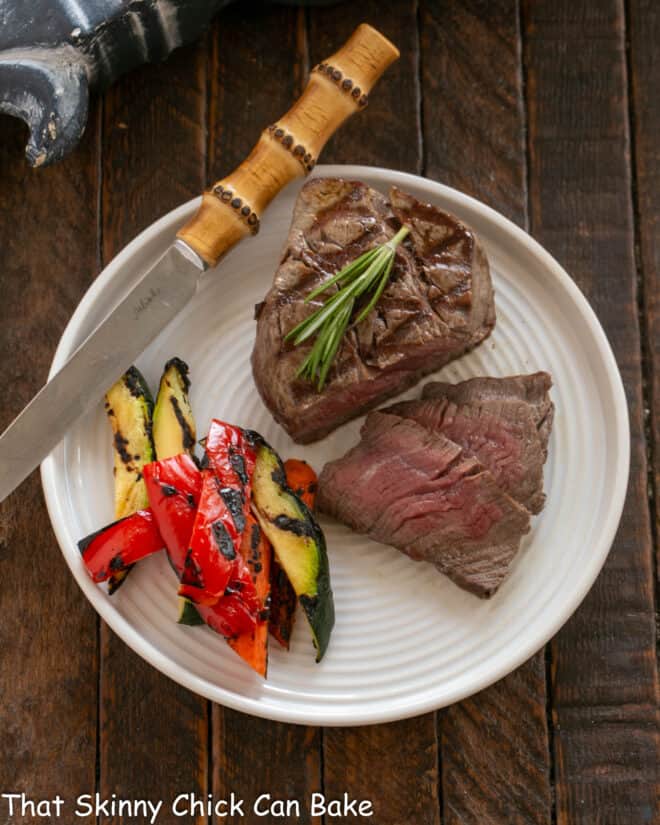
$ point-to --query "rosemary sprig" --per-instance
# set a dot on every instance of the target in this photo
(367, 274)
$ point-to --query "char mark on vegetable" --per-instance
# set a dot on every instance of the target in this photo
(294, 525)
(238, 465)
(235, 501)
(186, 432)
(223, 540)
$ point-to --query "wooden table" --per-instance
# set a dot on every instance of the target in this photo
(550, 113)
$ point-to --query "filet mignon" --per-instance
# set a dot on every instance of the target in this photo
(413, 488)
(438, 304)
(452, 478)
(501, 435)
(533, 389)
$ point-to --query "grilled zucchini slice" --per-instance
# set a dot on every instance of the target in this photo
(298, 543)
(174, 423)
(129, 406)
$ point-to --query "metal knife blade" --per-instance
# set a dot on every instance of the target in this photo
(98, 362)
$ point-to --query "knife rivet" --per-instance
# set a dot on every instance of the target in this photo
(227, 195)
(364, 100)
(236, 203)
(279, 133)
(347, 84)
(253, 219)
(245, 211)
(336, 75)
(288, 142)
(356, 92)
(299, 151)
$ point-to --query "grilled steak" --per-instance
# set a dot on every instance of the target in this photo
(451, 478)
(438, 304)
(502, 435)
(413, 488)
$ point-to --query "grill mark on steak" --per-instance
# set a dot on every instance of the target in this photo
(437, 306)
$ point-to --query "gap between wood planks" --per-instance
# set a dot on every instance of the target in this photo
(642, 309)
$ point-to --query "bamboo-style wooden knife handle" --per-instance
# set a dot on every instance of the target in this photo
(337, 88)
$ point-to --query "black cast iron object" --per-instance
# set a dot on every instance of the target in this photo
(53, 52)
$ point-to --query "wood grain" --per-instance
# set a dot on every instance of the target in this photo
(367, 762)
(250, 88)
(473, 117)
(386, 133)
(394, 766)
(604, 674)
(494, 746)
(644, 80)
(153, 733)
(48, 632)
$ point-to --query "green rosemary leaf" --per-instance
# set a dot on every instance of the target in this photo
(379, 291)
(348, 272)
(369, 273)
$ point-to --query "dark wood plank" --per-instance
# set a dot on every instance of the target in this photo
(644, 36)
(257, 69)
(494, 746)
(154, 734)
(473, 107)
(395, 766)
(604, 686)
(48, 633)
(387, 132)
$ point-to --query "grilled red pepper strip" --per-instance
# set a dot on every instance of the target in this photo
(120, 545)
(214, 562)
(174, 487)
(232, 455)
(230, 616)
(252, 646)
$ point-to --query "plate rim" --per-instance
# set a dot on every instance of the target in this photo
(398, 709)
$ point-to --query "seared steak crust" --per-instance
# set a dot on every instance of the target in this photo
(438, 304)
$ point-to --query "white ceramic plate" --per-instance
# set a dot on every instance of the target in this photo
(406, 639)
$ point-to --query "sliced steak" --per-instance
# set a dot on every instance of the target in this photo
(502, 435)
(413, 488)
(532, 389)
(438, 304)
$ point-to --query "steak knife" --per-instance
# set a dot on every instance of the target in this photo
(230, 211)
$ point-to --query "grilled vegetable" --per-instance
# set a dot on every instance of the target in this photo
(213, 547)
(174, 490)
(302, 480)
(129, 407)
(253, 646)
(283, 601)
(175, 433)
(174, 425)
(298, 543)
(214, 561)
(115, 548)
